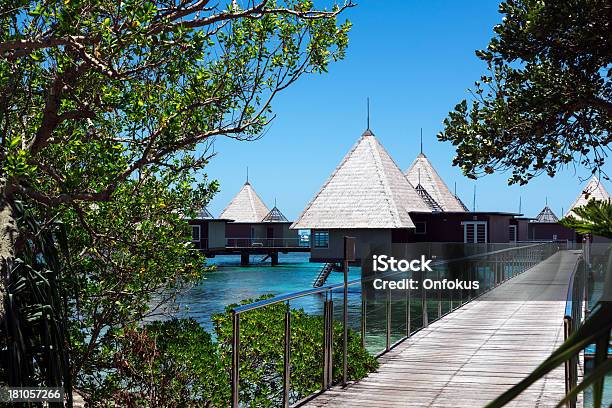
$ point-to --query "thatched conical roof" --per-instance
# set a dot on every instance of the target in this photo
(546, 215)
(275, 215)
(366, 190)
(594, 190)
(422, 172)
(204, 214)
(246, 206)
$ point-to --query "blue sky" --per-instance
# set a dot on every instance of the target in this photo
(415, 60)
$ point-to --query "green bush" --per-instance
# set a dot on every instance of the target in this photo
(176, 363)
(170, 363)
(262, 353)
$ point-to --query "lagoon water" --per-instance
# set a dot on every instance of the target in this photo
(231, 283)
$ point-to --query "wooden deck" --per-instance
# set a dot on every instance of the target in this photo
(472, 355)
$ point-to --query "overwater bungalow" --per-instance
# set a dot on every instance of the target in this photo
(546, 227)
(253, 223)
(368, 197)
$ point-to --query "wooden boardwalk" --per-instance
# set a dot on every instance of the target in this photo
(472, 355)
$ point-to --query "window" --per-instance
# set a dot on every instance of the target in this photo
(474, 232)
(321, 239)
(512, 233)
(195, 233)
(420, 227)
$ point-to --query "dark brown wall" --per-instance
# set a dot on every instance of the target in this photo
(234, 230)
(443, 227)
(499, 228)
(544, 231)
(522, 229)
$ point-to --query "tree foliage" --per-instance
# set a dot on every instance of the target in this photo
(108, 111)
(593, 218)
(547, 101)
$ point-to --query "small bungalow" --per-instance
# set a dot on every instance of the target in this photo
(253, 223)
(546, 227)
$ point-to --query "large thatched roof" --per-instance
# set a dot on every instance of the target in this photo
(422, 172)
(246, 206)
(366, 190)
(594, 190)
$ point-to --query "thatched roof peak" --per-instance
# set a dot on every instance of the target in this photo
(422, 172)
(246, 206)
(366, 190)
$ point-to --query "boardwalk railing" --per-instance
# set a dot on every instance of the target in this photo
(574, 314)
(590, 286)
(383, 318)
(265, 243)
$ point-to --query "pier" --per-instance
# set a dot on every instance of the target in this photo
(267, 247)
(472, 355)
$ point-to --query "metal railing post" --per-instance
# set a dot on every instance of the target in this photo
(388, 320)
(363, 317)
(569, 364)
(325, 342)
(424, 310)
(287, 362)
(330, 342)
(439, 296)
(235, 359)
(408, 312)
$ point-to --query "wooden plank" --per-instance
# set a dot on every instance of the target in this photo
(475, 353)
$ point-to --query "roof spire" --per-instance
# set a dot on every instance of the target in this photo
(368, 113)
(520, 205)
(547, 201)
(421, 140)
(455, 189)
(474, 202)
(247, 180)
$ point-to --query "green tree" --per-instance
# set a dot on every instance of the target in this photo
(107, 114)
(593, 218)
(547, 100)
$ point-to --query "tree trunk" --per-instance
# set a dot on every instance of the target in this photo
(8, 238)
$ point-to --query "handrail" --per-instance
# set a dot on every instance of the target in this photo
(570, 288)
(332, 286)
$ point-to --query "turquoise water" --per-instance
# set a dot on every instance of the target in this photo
(231, 283)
